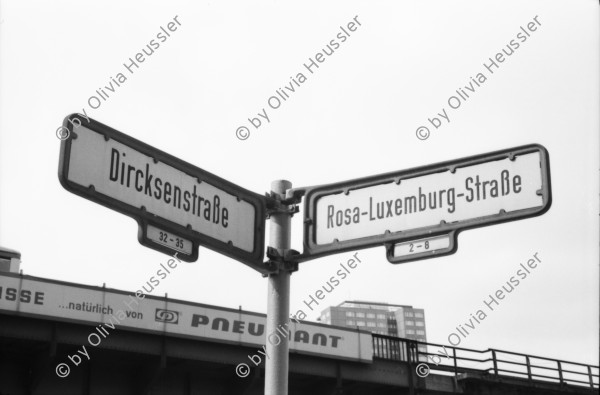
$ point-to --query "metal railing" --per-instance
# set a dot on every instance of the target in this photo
(452, 360)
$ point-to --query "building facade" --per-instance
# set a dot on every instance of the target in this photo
(382, 318)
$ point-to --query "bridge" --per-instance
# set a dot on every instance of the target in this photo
(490, 371)
(174, 347)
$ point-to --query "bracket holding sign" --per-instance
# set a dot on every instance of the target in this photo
(429, 204)
(178, 206)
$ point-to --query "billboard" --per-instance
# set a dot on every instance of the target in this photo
(55, 300)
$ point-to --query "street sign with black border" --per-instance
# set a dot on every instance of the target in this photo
(178, 206)
(433, 200)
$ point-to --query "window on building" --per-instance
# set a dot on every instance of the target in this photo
(360, 323)
(419, 315)
(408, 314)
(349, 313)
(370, 315)
(420, 323)
(381, 324)
(420, 332)
(371, 324)
(360, 315)
(381, 316)
(350, 322)
(410, 332)
(411, 323)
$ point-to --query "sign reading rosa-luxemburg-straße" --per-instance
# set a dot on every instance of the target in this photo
(178, 206)
(431, 201)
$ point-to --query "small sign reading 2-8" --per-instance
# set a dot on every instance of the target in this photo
(168, 239)
(422, 245)
(421, 248)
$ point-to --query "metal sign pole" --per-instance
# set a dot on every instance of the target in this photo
(278, 302)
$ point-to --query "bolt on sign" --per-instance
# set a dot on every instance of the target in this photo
(418, 213)
(177, 205)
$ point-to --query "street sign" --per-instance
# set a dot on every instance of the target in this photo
(177, 206)
(439, 199)
(423, 248)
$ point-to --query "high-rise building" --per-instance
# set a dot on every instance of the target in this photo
(387, 319)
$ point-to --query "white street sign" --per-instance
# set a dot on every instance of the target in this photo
(468, 192)
(177, 205)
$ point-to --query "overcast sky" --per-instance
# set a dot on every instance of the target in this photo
(354, 116)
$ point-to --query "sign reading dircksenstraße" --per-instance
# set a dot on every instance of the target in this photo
(177, 205)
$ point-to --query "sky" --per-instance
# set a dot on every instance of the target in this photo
(354, 115)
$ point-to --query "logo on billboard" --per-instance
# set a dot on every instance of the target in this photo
(168, 316)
